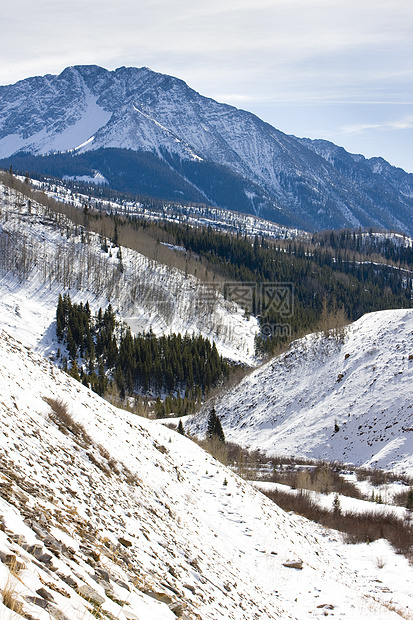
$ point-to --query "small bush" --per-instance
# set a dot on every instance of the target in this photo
(10, 599)
(323, 478)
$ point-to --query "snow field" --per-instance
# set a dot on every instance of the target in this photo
(216, 549)
(146, 294)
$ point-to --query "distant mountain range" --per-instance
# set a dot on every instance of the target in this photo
(150, 134)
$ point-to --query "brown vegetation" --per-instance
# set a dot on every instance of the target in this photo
(358, 527)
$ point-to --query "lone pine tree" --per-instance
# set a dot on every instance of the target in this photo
(214, 428)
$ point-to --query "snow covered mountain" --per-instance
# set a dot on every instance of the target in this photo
(341, 398)
(151, 134)
(105, 514)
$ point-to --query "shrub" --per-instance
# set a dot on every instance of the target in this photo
(10, 600)
(65, 422)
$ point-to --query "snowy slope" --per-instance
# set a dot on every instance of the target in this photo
(146, 294)
(108, 512)
(363, 383)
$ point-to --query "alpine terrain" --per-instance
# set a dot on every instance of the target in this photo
(150, 134)
(135, 370)
(343, 395)
(105, 514)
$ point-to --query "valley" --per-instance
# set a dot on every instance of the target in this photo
(126, 317)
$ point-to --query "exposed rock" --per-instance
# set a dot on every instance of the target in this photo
(103, 574)
(177, 608)
(18, 538)
(159, 596)
(293, 564)
(68, 580)
(46, 558)
(45, 594)
(11, 561)
(39, 601)
(325, 606)
(56, 614)
(36, 550)
(90, 594)
(121, 583)
(126, 543)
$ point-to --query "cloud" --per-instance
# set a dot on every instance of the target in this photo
(283, 42)
(395, 125)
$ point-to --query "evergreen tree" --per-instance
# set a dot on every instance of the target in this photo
(60, 319)
(142, 362)
(71, 344)
(102, 380)
(214, 428)
(74, 371)
(181, 430)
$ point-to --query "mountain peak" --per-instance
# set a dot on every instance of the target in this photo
(206, 151)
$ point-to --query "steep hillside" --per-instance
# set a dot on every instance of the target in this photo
(104, 514)
(151, 134)
(345, 397)
(44, 254)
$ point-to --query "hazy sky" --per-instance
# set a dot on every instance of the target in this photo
(335, 69)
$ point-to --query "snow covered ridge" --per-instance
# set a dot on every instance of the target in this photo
(346, 398)
(192, 214)
(44, 254)
(199, 145)
(104, 514)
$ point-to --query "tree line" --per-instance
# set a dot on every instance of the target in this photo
(180, 370)
(321, 273)
(346, 273)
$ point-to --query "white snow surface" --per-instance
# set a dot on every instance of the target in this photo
(125, 511)
(360, 382)
(87, 108)
(83, 120)
(135, 511)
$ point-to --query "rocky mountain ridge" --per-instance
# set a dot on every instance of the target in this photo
(152, 134)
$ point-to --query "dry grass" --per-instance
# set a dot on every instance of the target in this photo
(322, 478)
(378, 477)
(9, 593)
(65, 422)
(215, 448)
(10, 599)
(97, 454)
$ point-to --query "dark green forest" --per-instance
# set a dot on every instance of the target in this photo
(179, 370)
(335, 276)
(338, 272)
(144, 174)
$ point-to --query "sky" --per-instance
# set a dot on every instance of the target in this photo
(340, 70)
